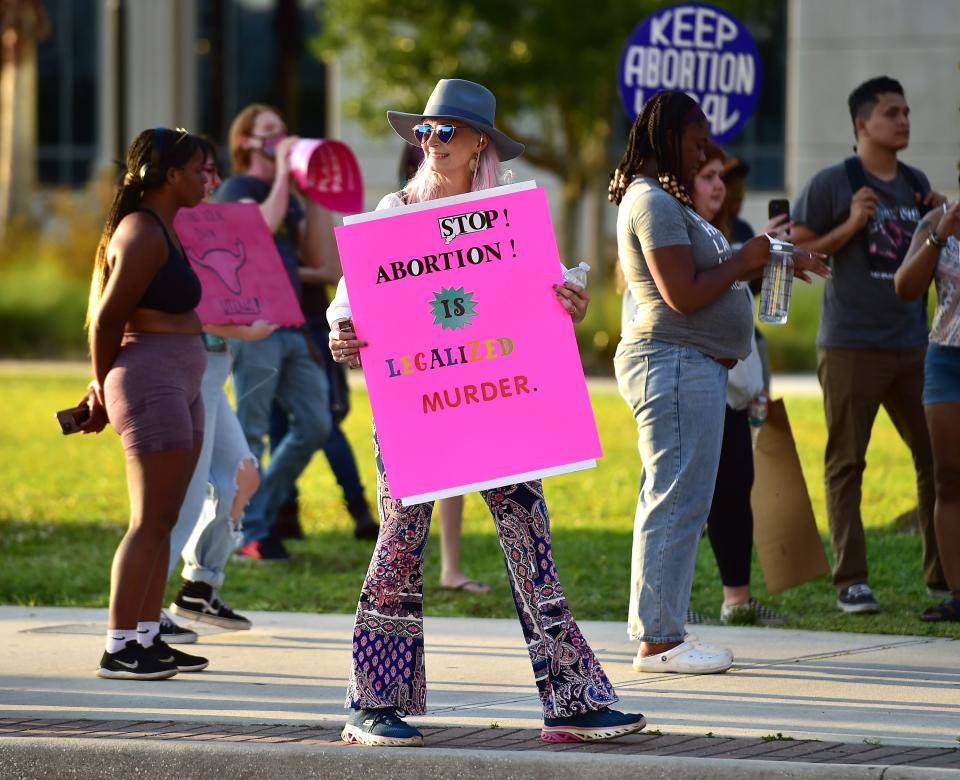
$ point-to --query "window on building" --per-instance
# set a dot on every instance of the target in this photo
(257, 51)
(67, 93)
(762, 142)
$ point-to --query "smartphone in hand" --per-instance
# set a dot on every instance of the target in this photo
(778, 206)
(71, 419)
(346, 326)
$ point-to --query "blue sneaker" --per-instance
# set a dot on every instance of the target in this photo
(380, 727)
(591, 726)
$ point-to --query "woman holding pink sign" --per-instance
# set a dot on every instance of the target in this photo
(208, 528)
(462, 152)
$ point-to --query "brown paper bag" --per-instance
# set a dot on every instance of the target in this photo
(784, 529)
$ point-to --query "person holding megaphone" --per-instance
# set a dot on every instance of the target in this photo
(279, 368)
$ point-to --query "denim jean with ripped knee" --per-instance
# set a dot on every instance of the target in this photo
(205, 535)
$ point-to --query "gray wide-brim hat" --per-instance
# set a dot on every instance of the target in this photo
(471, 103)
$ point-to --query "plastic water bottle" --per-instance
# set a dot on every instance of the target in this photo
(577, 276)
(758, 416)
(777, 283)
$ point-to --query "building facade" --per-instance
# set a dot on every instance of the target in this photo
(114, 67)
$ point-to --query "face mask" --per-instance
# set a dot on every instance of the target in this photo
(268, 144)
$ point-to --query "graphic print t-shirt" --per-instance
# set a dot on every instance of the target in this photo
(860, 308)
(889, 233)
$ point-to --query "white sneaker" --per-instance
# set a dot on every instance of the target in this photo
(690, 657)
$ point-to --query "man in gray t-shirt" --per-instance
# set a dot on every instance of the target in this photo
(871, 344)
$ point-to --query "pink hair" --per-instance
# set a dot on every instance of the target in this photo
(425, 185)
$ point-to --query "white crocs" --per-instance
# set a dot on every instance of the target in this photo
(693, 639)
(690, 657)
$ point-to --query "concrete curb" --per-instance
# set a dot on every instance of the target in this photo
(86, 759)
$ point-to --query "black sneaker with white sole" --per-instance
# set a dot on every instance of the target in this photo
(173, 634)
(135, 662)
(749, 614)
(182, 662)
(857, 598)
(200, 601)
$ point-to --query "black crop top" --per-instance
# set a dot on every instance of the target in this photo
(175, 289)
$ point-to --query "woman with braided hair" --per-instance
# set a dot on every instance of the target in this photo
(691, 325)
(148, 361)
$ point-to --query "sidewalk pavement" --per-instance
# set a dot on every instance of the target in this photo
(796, 704)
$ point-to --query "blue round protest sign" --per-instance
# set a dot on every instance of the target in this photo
(698, 49)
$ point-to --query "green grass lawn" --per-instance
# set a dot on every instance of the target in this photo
(63, 509)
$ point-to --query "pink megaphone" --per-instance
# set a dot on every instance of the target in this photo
(327, 173)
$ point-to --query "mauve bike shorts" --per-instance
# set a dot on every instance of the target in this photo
(153, 392)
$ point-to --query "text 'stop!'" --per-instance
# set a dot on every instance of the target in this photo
(698, 49)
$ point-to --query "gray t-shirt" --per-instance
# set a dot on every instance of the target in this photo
(860, 308)
(650, 218)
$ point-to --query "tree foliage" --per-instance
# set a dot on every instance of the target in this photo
(551, 63)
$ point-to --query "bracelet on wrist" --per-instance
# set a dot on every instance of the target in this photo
(936, 242)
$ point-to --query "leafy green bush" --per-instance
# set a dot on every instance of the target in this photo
(45, 273)
(42, 310)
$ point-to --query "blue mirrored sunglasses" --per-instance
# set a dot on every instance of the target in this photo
(444, 132)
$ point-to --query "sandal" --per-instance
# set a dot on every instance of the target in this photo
(948, 610)
(468, 586)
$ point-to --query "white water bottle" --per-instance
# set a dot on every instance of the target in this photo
(577, 275)
(777, 283)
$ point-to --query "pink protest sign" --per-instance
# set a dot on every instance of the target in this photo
(473, 370)
(328, 173)
(230, 248)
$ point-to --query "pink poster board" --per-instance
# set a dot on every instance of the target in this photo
(473, 371)
(230, 248)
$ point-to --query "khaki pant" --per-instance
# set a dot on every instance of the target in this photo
(856, 382)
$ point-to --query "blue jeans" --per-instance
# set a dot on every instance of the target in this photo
(677, 396)
(204, 534)
(338, 451)
(279, 368)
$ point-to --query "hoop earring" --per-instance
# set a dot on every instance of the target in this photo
(669, 182)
